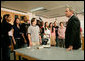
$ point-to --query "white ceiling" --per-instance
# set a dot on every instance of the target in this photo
(52, 8)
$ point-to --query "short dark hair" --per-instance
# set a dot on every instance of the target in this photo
(6, 15)
(61, 23)
(32, 20)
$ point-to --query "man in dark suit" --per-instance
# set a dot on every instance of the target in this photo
(72, 34)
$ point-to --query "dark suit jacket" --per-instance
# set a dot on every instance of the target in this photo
(72, 34)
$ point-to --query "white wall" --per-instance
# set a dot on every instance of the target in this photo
(48, 20)
(45, 19)
(61, 19)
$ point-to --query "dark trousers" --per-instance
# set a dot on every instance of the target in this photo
(56, 41)
(10, 39)
(5, 53)
(61, 43)
(18, 44)
(5, 50)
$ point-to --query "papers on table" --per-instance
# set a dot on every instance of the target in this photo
(40, 47)
(43, 46)
(46, 46)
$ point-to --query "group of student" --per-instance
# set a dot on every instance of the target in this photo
(12, 33)
(30, 33)
(39, 33)
(55, 34)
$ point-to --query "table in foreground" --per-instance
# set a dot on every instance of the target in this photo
(52, 53)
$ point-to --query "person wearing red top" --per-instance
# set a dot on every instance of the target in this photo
(81, 33)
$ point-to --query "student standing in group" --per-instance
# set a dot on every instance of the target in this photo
(18, 38)
(72, 34)
(56, 32)
(61, 35)
(5, 41)
(53, 36)
(46, 36)
(34, 33)
(24, 27)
